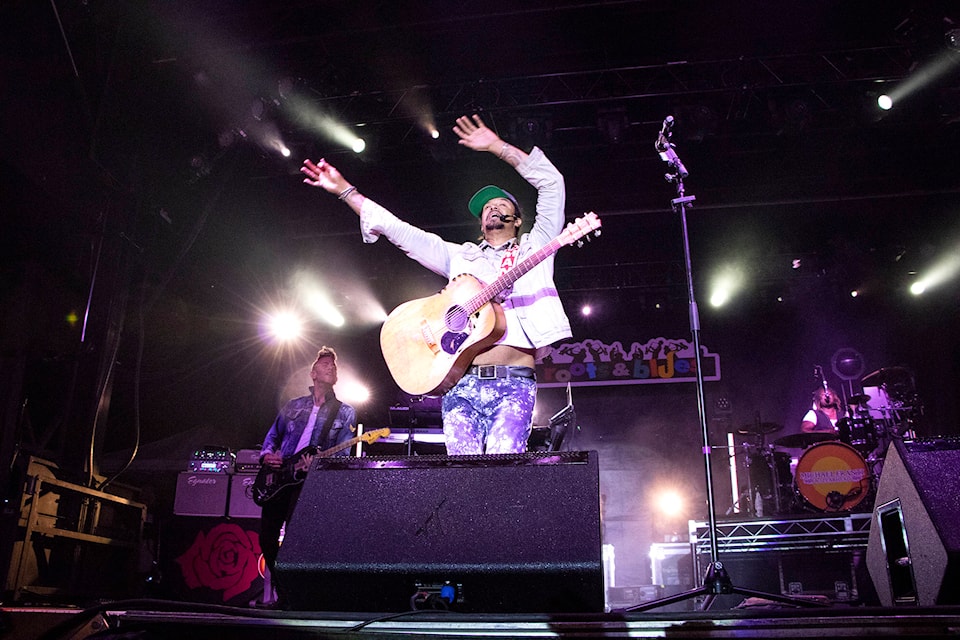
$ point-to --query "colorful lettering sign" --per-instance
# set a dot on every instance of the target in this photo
(591, 362)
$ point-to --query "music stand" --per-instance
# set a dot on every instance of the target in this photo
(716, 581)
(561, 423)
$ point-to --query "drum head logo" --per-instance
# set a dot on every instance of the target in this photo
(832, 476)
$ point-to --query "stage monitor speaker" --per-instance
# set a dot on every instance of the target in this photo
(201, 494)
(496, 533)
(913, 551)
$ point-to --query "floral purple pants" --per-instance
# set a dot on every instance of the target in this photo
(488, 415)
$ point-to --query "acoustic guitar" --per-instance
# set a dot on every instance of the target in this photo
(428, 343)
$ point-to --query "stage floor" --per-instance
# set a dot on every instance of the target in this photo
(156, 619)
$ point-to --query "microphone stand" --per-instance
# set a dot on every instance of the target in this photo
(716, 581)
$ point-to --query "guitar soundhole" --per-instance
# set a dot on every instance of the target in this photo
(456, 318)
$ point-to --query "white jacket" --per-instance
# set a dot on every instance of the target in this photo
(532, 308)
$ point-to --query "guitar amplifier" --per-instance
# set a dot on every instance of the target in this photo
(248, 460)
(201, 494)
(241, 504)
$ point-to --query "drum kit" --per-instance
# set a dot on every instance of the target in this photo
(825, 472)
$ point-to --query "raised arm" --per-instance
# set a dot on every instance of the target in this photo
(475, 135)
(324, 175)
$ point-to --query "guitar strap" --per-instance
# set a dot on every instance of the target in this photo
(333, 408)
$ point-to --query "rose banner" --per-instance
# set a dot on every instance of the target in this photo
(225, 559)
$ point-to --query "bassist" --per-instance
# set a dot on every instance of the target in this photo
(490, 408)
(317, 419)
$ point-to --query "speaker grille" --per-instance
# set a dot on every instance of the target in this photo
(517, 532)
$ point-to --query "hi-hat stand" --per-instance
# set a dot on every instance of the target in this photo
(716, 581)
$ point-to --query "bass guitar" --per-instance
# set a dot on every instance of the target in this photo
(428, 343)
(294, 469)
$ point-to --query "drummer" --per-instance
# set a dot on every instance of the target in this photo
(826, 412)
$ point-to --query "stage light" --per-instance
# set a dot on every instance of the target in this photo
(325, 310)
(586, 310)
(351, 390)
(276, 144)
(952, 38)
(724, 285)
(286, 87)
(923, 77)
(854, 293)
(285, 326)
(944, 270)
(669, 503)
(434, 133)
(719, 297)
(306, 114)
(257, 109)
(613, 124)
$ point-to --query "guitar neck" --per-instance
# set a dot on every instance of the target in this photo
(487, 293)
(326, 453)
(369, 437)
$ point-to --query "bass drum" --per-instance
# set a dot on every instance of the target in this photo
(832, 476)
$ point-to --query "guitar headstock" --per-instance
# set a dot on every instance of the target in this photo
(583, 227)
(376, 434)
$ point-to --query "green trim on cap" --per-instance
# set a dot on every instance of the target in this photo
(487, 194)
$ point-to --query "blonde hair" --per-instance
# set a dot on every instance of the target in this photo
(324, 352)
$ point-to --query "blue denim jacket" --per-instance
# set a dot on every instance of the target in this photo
(286, 430)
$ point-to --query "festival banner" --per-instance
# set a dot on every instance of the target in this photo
(656, 361)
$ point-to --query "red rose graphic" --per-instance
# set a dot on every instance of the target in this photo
(225, 558)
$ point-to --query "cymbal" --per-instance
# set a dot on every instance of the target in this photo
(759, 428)
(885, 375)
(803, 440)
(860, 398)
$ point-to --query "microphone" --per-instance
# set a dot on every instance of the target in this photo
(665, 149)
(667, 126)
(504, 218)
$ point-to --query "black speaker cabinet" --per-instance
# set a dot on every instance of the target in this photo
(496, 533)
(913, 552)
(201, 494)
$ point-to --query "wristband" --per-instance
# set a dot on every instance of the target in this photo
(503, 150)
(346, 192)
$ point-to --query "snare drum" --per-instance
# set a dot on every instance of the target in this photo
(832, 476)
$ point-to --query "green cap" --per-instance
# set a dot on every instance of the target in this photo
(487, 194)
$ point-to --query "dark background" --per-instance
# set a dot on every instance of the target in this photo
(129, 200)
